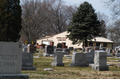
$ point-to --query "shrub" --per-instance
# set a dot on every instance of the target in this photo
(59, 45)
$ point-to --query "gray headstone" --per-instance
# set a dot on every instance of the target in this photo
(109, 55)
(75, 50)
(25, 49)
(92, 51)
(100, 61)
(11, 61)
(58, 49)
(66, 51)
(70, 48)
(57, 59)
(83, 49)
(118, 53)
(27, 61)
(78, 59)
(90, 56)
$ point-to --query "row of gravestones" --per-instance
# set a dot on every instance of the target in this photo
(49, 50)
(82, 59)
(108, 50)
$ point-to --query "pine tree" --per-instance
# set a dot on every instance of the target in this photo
(84, 25)
(10, 20)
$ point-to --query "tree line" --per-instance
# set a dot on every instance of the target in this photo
(33, 19)
(44, 17)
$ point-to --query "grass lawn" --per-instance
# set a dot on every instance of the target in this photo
(67, 72)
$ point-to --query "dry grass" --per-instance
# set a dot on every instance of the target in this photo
(68, 72)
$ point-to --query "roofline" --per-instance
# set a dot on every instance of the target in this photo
(45, 38)
(51, 36)
(59, 33)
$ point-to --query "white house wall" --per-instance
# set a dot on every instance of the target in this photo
(60, 38)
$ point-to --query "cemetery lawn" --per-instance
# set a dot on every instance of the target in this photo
(67, 72)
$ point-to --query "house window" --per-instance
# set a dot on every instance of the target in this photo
(97, 44)
(104, 44)
(109, 45)
(90, 43)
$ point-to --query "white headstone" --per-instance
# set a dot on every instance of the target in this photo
(100, 61)
(101, 47)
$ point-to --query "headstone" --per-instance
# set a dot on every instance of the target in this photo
(57, 59)
(118, 53)
(75, 50)
(70, 48)
(58, 49)
(116, 48)
(109, 51)
(101, 47)
(104, 49)
(78, 59)
(27, 61)
(83, 49)
(109, 55)
(11, 61)
(25, 49)
(90, 56)
(92, 51)
(31, 48)
(100, 61)
(68, 56)
(66, 51)
(87, 49)
(48, 50)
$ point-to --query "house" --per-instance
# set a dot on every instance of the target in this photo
(61, 38)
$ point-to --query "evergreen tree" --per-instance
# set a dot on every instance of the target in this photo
(84, 24)
(10, 20)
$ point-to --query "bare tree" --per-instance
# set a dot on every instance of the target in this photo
(114, 33)
(114, 6)
(103, 22)
(60, 16)
(33, 18)
(102, 16)
(113, 30)
(44, 17)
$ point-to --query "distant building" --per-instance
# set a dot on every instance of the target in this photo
(61, 38)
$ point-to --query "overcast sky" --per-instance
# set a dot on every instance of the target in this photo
(98, 5)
